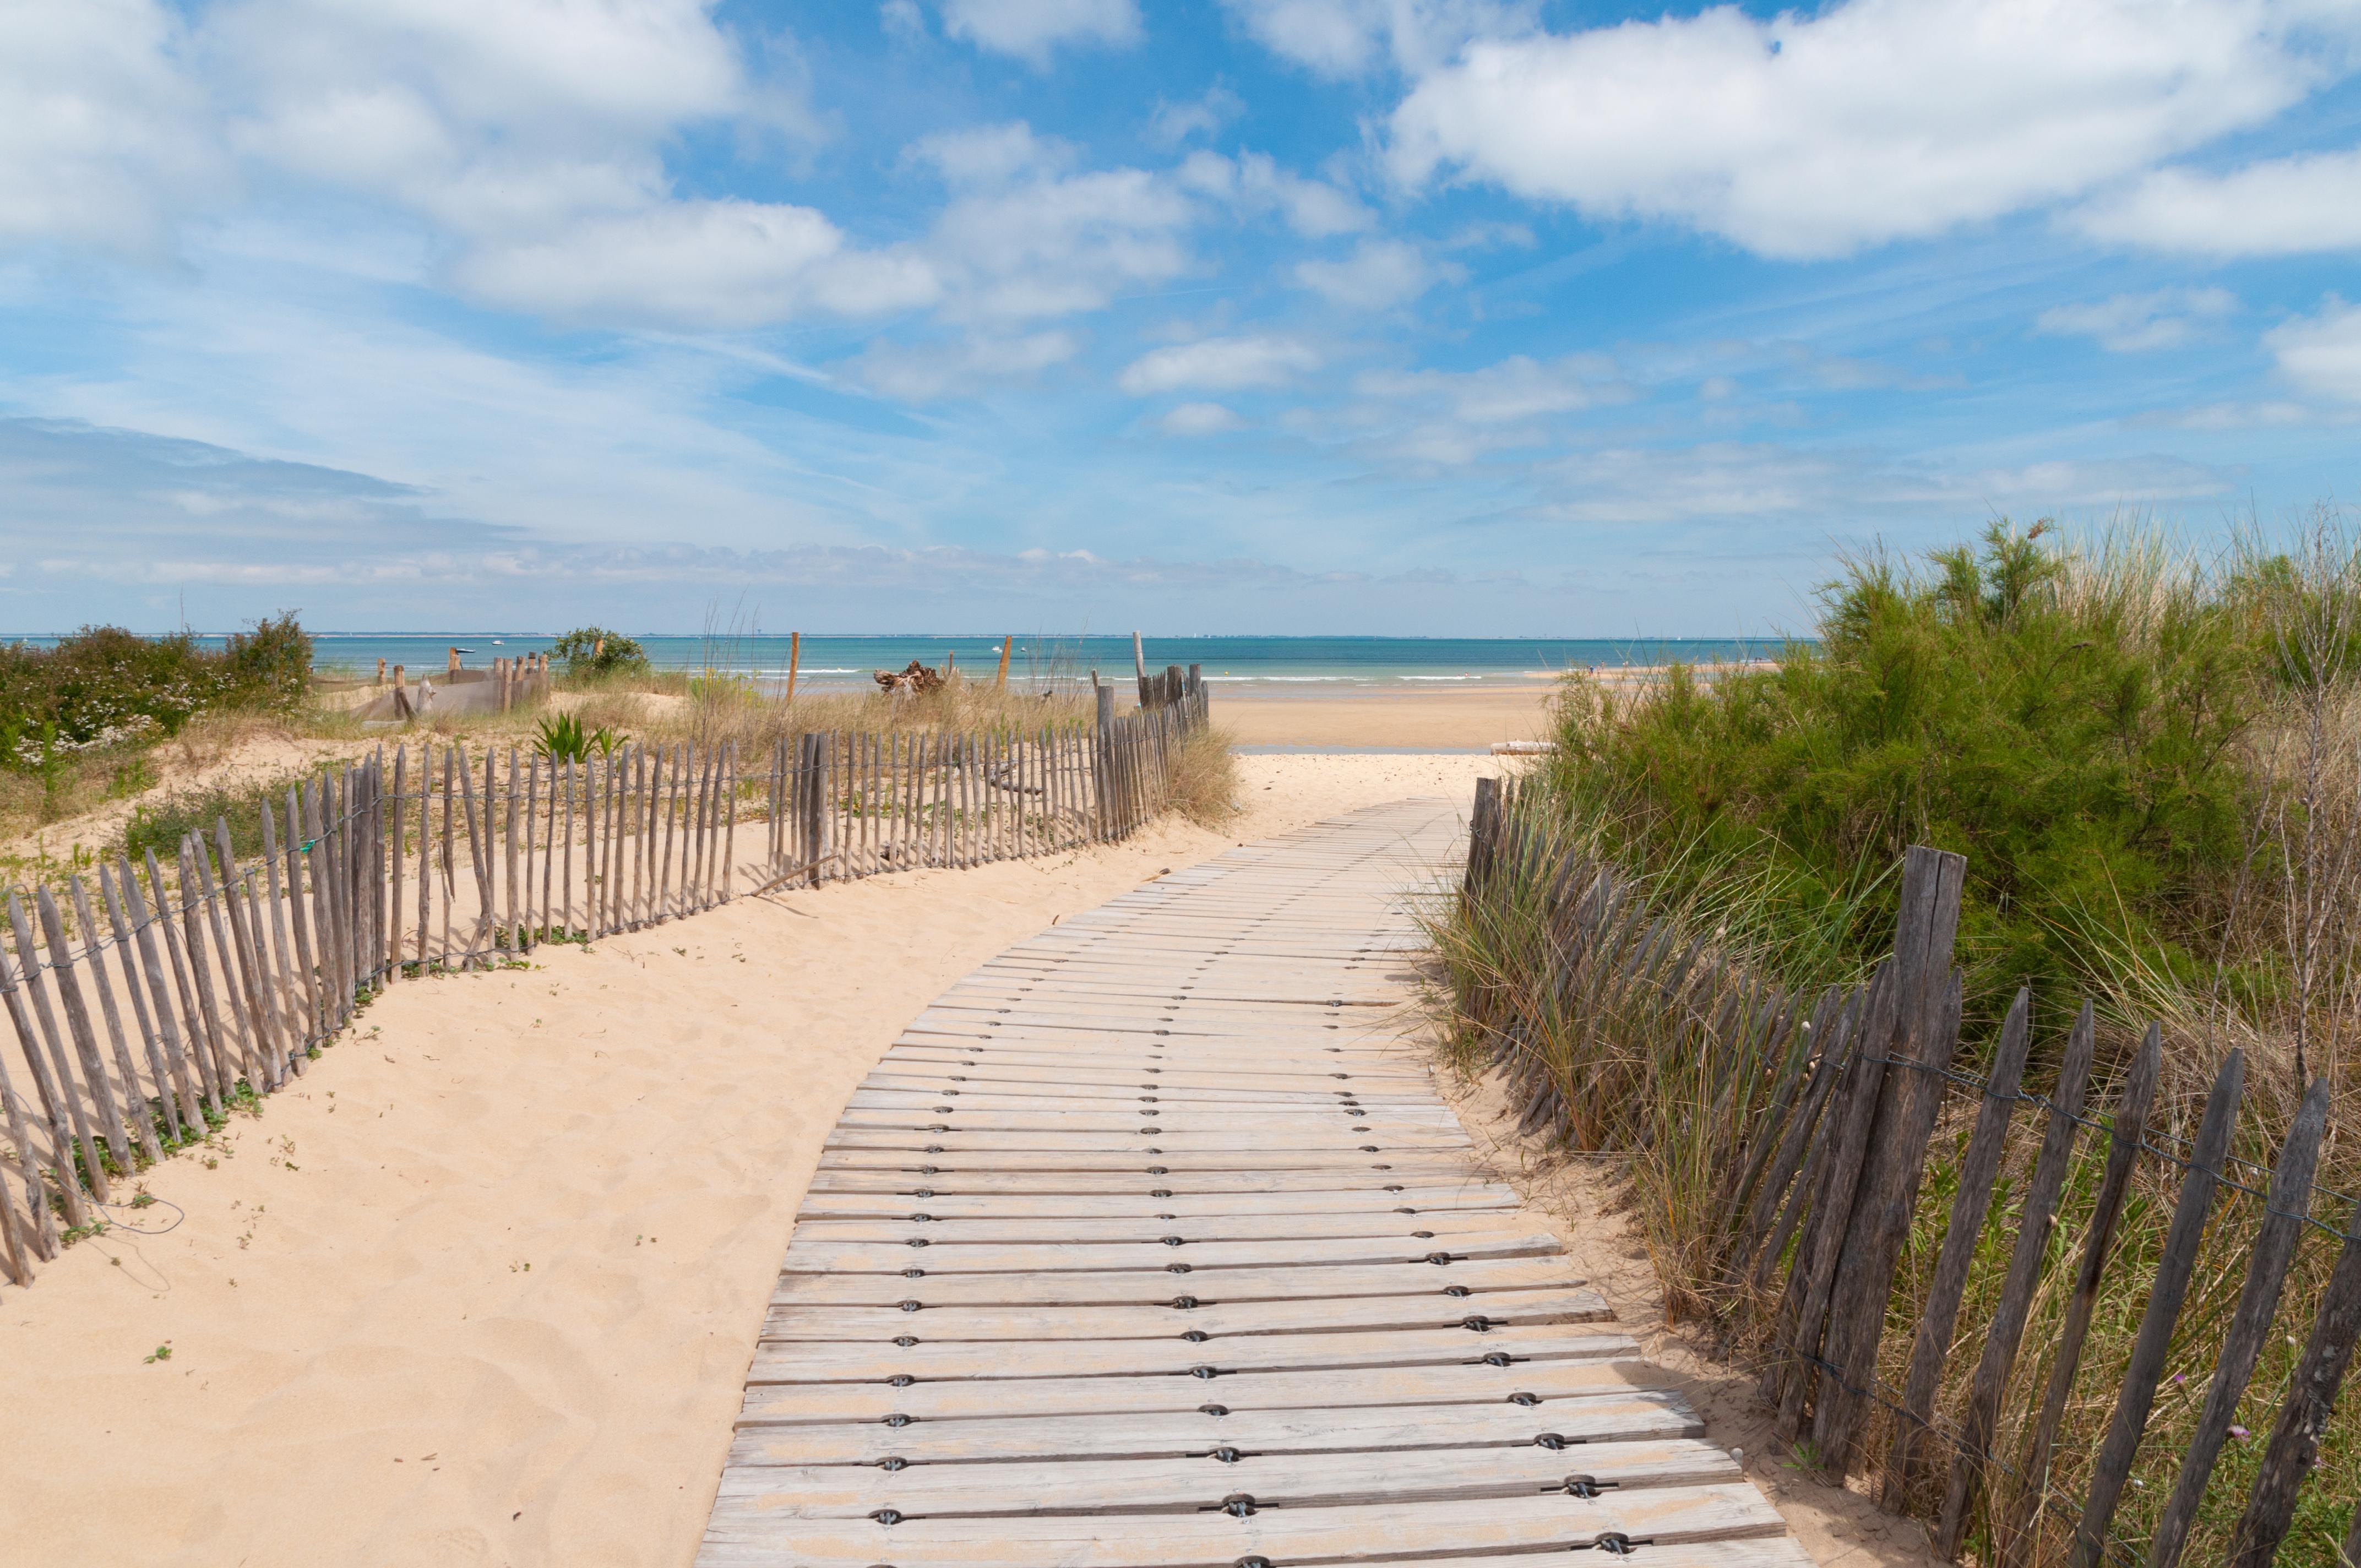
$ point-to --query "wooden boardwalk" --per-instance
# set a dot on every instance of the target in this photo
(1150, 1244)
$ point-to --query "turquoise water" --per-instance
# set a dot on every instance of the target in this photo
(1308, 664)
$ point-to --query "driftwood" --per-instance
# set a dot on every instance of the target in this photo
(915, 680)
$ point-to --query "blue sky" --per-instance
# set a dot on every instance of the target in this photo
(1435, 317)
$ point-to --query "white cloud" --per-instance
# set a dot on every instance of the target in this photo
(707, 264)
(1255, 183)
(1173, 124)
(1378, 274)
(1031, 28)
(924, 373)
(1340, 39)
(533, 136)
(1518, 388)
(2128, 324)
(2282, 206)
(2321, 354)
(1673, 486)
(102, 136)
(1488, 235)
(1199, 419)
(1025, 238)
(1220, 364)
(1818, 133)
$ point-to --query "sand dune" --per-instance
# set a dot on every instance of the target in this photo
(482, 1288)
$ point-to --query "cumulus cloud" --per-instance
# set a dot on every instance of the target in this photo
(2322, 353)
(1380, 273)
(1030, 29)
(1220, 365)
(1338, 39)
(1199, 419)
(1025, 236)
(1173, 124)
(2281, 207)
(2128, 324)
(707, 264)
(1254, 182)
(1818, 133)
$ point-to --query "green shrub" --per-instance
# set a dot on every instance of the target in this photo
(104, 686)
(2072, 730)
(595, 651)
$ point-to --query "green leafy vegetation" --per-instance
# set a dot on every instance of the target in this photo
(563, 737)
(104, 686)
(2092, 730)
(595, 651)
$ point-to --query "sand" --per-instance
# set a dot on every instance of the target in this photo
(1453, 719)
(483, 1287)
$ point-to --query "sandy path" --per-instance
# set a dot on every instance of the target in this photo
(482, 1288)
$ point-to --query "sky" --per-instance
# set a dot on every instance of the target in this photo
(1450, 317)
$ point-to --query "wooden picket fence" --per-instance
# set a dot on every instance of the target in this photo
(1819, 1114)
(147, 1008)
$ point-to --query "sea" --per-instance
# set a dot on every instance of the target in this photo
(1272, 666)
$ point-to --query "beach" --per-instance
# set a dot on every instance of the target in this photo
(482, 1288)
(1384, 717)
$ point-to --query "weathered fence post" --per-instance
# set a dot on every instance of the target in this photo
(2311, 1395)
(1103, 763)
(2007, 1326)
(2258, 1299)
(1926, 1031)
(2112, 1470)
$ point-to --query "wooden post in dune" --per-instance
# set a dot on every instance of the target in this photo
(1139, 668)
(380, 672)
(1102, 764)
(795, 658)
(453, 657)
(1000, 682)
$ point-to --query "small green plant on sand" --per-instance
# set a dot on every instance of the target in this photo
(563, 737)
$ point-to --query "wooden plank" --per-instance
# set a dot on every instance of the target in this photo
(1442, 1226)
(1282, 1281)
(1183, 1313)
(837, 1203)
(742, 1531)
(985, 1257)
(1015, 1488)
(1616, 1415)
